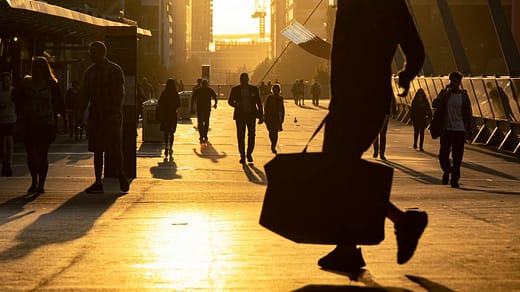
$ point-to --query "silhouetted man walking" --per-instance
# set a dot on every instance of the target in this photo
(452, 105)
(246, 100)
(103, 91)
(202, 96)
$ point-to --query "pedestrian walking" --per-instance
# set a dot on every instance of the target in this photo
(166, 114)
(202, 97)
(245, 99)
(420, 114)
(379, 143)
(301, 92)
(71, 105)
(274, 115)
(315, 92)
(103, 93)
(294, 91)
(455, 118)
(366, 35)
(7, 123)
(38, 102)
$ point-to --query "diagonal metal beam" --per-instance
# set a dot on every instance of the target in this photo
(505, 38)
(459, 54)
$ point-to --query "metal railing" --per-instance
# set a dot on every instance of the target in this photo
(495, 104)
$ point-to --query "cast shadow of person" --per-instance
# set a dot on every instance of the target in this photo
(254, 174)
(482, 168)
(72, 220)
(362, 276)
(416, 175)
(13, 209)
(167, 169)
(208, 151)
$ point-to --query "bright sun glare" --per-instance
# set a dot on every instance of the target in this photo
(234, 17)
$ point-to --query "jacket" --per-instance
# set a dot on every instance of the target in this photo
(235, 100)
(440, 103)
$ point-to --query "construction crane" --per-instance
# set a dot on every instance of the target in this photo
(260, 14)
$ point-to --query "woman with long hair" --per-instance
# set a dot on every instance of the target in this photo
(38, 102)
(167, 114)
(420, 113)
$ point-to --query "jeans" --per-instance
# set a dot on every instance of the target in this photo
(452, 141)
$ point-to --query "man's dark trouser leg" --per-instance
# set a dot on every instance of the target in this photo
(444, 152)
(98, 165)
(457, 154)
(251, 132)
(241, 134)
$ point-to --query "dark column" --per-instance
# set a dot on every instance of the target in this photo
(505, 38)
(122, 49)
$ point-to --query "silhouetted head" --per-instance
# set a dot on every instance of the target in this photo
(276, 89)
(204, 83)
(41, 70)
(170, 85)
(97, 51)
(455, 79)
(199, 80)
(244, 79)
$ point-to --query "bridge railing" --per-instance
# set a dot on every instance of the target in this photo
(495, 102)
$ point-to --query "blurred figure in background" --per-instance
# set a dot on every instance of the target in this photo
(38, 102)
(7, 123)
(420, 114)
(274, 112)
(166, 113)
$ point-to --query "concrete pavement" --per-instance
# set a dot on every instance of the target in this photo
(192, 223)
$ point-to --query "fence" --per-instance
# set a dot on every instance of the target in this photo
(494, 101)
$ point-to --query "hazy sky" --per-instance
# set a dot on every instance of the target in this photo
(234, 17)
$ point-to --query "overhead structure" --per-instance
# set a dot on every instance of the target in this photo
(260, 14)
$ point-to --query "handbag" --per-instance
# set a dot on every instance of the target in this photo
(324, 199)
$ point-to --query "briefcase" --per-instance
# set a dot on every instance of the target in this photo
(320, 199)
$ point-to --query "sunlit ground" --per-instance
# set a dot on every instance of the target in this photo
(187, 253)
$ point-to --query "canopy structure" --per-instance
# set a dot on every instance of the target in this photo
(28, 17)
(307, 40)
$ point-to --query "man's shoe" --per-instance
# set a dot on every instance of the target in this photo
(350, 261)
(374, 155)
(32, 189)
(242, 160)
(445, 178)
(455, 185)
(382, 156)
(414, 146)
(95, 188)
(123, 184)
(39, 191)
(249, 158)
(408, 231)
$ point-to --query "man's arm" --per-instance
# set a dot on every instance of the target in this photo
(259, 105)
(412, 47)
(232, 100)
(214, 96)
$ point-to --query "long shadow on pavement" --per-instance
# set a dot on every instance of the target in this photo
(72, 220)
(254, 174)
(167, 169)
(12, 209)
(416, 175)
(480, 168)
(363, 276)
(208, 151)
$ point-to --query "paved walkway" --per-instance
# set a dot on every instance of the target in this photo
(192, 223)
